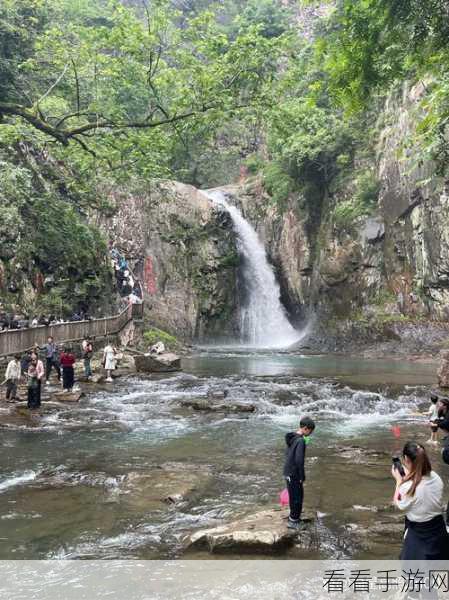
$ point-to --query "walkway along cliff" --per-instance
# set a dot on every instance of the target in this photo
(19, 340)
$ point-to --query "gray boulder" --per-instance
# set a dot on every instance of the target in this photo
(264, 532)
(207, 405)
(157, 363)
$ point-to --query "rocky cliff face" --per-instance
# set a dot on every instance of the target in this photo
(184, 253)
(387, 276)
(384, 278)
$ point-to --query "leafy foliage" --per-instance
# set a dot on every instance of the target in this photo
(370, 46)
(154, 335)
(360, 204)
(93, 93)
(42, 235)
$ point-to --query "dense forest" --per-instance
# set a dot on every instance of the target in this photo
(106, 93)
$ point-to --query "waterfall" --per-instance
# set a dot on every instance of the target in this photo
(263, 321)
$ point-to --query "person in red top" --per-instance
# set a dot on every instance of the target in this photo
(67, 361)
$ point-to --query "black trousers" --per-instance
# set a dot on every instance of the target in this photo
(425, 541)
(68, 377)
(34, 395)
(295, 497)
(50, 362)
(11, 389)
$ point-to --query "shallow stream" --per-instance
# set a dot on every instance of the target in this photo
(86, 480)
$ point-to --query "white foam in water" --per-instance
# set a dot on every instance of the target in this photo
(17, 480)
(263, 321)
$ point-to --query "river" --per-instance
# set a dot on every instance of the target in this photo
(86, 480)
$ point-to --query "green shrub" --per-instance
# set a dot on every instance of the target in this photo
(362, 203)
(154, 335)
(254, 163)
(277, 182)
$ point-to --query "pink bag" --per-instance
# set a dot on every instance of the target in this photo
(283, 497)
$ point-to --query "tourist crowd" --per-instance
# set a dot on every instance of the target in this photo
(127, 286)
(20, 321)
(36, 366)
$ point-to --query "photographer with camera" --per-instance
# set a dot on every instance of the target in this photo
(419, 493)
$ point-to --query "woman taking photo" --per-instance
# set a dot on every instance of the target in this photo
(419, 494)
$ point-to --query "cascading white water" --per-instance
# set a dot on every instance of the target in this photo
(263, 321)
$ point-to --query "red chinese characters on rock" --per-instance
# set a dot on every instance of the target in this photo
(39, 282)
(148, 276)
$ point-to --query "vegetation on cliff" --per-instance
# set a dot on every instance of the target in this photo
(97, 93)
(93, 93)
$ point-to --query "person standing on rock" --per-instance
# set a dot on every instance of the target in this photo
(109, 360)
(51, 359)
(294, 471)
(35, 375)
(87, 350)
(68, 373)
(12, 377)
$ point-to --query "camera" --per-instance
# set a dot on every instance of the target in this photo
(398, 465)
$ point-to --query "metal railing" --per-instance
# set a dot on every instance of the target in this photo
(14, 341)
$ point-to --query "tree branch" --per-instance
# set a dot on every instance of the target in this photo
(52, 87)
(77, 83)
(65, 135)
(132, 124)
(18, 110)
(85, 147)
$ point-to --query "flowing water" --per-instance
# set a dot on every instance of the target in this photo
(263, 321)
(87, 480)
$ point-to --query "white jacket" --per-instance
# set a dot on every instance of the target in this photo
(13, 370)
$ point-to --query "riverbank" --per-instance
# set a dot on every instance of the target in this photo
(373, 338)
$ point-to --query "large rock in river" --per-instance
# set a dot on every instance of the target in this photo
(205, 404)
(157, 363)
(264, 532)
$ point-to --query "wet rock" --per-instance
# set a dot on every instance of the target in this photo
(217, 394)
(264, 532)
(206, 404)
(161, 363)
(443, 370)
(121, 372)
(357, 452)
(171, 483)
(68, 396)
(98, 378)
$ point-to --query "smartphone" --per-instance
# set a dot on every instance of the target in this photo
(398, 465)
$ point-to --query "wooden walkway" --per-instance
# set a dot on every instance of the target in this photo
(16, 341)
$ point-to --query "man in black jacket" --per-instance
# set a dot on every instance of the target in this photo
(294, 469)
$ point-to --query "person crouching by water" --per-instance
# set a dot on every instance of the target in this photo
(35, 375)
(419, 494)
(294, 472)
(68, 374)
